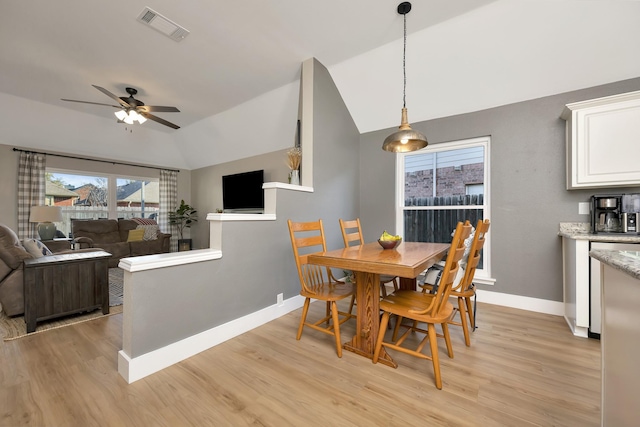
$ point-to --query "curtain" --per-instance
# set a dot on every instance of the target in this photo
(168, 203)
(31, 191)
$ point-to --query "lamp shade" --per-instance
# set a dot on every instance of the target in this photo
(45, 214)
(404, 139)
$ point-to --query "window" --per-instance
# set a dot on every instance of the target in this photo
(441, 185)
(89, 196)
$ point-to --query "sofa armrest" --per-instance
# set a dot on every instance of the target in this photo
(85, 242)
(165, 240)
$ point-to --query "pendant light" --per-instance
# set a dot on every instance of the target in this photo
(405, 139)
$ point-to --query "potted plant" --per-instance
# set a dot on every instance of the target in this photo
(183, 217)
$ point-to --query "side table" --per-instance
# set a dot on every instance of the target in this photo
(59, 285)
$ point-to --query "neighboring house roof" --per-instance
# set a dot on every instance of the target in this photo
(124, 191)
(55, 190)
(151, 194)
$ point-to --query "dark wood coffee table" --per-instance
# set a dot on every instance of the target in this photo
(63, 284)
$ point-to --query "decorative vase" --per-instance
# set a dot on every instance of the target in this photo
(295, 177)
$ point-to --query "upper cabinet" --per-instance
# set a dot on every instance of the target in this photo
(603, 142)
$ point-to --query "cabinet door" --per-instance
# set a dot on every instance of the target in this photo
(603, 138)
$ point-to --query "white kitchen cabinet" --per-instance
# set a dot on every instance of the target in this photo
(603, 142)
(575, 261)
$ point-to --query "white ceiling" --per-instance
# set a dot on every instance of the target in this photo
(462, 56)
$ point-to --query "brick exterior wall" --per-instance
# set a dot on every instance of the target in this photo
(451, 182)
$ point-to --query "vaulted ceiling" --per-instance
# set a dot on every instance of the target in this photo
(462, 56)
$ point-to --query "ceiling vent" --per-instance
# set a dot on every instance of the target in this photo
(160, 23)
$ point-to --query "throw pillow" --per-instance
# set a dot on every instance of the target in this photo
(135, 235)
(36, 248)
(150, 231)
(144, 221)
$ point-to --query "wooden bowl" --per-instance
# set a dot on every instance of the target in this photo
(389, 244)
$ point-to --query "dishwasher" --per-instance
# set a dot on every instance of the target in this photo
(595, 284)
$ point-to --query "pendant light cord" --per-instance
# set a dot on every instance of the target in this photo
(404, 64)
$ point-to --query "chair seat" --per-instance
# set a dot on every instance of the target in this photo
(330, 291)
(406, 303)
(385, 278)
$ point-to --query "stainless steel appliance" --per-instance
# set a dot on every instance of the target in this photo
(615, 213)
(595, 284)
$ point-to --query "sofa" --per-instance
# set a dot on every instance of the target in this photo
(13, 252)
(121, 238)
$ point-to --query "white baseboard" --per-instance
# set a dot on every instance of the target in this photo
(521, 302)
(133, 369)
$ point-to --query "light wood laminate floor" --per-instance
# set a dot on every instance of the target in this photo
(522, 369)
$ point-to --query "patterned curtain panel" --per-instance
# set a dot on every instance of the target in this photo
(168, 202)
(31, 191)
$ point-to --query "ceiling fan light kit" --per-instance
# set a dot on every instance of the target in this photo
(133, 110)
(405, 139)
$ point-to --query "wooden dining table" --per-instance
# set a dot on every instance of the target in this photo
(368, 262)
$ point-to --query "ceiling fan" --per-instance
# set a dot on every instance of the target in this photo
(132, 109)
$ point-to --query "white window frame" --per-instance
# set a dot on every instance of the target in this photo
(483, 275)
(112, 184)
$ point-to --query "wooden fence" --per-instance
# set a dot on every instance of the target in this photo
(436, 225)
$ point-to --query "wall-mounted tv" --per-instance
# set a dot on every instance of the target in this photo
(242, 192)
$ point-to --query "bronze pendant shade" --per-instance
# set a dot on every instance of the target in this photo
(405, 139)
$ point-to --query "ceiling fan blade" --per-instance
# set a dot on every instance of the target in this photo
(110, 95)
(158, 109)
(158, 119)
(94, 103)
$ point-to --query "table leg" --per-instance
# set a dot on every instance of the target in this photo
(368, 321)
(407, 284)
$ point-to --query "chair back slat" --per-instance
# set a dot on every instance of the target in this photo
(311, 276)
(474, 255)
(452, 264)
(351, 232)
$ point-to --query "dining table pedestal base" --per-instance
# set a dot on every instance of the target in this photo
(368, 320)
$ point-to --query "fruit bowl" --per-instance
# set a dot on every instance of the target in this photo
(390, 244)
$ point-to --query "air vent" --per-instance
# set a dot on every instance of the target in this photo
(160, 23)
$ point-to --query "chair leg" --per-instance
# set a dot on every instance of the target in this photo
(396, 287)
(305, 310)
(380, 338)
(328, 311)
(352, 303)
(463, 321)
(433, 344)
(472, 317)
(447, 339)
(394, 338)
(336, 327)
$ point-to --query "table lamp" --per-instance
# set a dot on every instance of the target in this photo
(45, 216)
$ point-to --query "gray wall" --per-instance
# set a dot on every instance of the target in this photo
(206, 189)
(528, 192)
(257, 261)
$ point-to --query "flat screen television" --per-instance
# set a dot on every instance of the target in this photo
(243, 193)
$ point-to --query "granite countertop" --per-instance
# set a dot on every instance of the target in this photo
(582, 231)
(626, 261)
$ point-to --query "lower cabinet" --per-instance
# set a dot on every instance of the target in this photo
(582, 284)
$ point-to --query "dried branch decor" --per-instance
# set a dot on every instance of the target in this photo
(294, 155)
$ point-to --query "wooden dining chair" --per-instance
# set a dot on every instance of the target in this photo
(352, 236)
(420, 307)
(465, 289)
(318, 282)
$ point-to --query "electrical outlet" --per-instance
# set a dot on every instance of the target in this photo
(584, 208)
(280, 299)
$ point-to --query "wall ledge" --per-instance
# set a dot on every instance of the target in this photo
(151, 262)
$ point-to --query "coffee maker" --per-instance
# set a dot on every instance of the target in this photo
(615, 213)
(606, 213)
